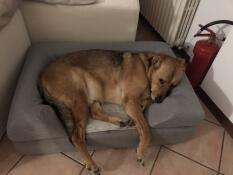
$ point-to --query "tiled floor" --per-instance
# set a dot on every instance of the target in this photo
(209, 152)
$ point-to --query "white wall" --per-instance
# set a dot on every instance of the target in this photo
(208, 11)
(218, 83)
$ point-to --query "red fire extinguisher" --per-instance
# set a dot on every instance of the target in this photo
(204, 51)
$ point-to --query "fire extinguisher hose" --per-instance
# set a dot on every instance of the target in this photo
(213, 23)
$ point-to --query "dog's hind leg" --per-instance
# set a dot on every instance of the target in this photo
(133, 109)
(99, 114)
(80, 113)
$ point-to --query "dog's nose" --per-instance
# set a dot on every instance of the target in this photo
(159, 99)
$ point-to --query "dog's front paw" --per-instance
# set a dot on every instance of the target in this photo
(96, 171)
(129, 122)
(141, 161)
(93, 170)
(123, 123)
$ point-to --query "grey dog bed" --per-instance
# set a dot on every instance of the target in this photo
(34, 127)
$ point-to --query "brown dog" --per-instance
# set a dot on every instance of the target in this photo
(83, 81)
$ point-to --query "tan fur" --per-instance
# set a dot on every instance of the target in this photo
(84, 80)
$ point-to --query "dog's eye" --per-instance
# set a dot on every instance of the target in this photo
(162, 81)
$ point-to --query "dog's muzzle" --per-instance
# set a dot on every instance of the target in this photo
(160, 98)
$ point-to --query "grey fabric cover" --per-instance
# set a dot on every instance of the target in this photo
(32, 123)
(106, 139)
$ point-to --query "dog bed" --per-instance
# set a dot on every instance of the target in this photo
(34, 127)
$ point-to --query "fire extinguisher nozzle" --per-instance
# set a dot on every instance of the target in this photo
(199, 31)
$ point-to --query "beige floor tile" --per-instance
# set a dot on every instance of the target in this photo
(170, 163)
(208, 115)
(76, 156)
(227, 156)
(53, 164)
(205, 146)
(8, 156)
(123, 162)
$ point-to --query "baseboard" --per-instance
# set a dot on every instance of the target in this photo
(220, 116)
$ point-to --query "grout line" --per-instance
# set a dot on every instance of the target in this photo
(72, 158)
(16, 163)
(93, 153)
(81, 170)
(213, 123)
(84, 165)
(190, 159)
(156, 158)
(220, 160)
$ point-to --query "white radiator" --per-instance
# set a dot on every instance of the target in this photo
(170, 18)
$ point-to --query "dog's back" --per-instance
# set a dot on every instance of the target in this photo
(86, 71)
(93, 59)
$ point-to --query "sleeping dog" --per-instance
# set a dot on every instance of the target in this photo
(82, 81)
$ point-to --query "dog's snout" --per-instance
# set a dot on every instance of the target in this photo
(159, 99)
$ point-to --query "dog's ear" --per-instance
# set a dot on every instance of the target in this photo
(184, 63)
(156, 61)
(151, 60)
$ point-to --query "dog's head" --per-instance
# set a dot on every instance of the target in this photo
(164, 73)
